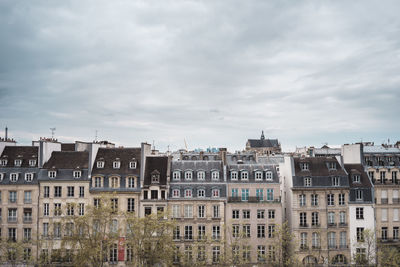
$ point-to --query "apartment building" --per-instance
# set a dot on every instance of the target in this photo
(19, 193)
(196, 200)
(253, 209)
(318, 194)
(382, 163)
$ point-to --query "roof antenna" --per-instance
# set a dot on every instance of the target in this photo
(6, 133)
(52, 132)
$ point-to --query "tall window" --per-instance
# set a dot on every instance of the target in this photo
(216, 252)
(342, 199)
(342, 217)
(359, 213)
(46, 209)
(342, 241)
(303, 241)
(270, 194)
(331, 217)
(114, 182)
(331, 199)
(246, 230)
(360, 234)
(303, 219)
(216, 232)
(97, 181)
(81, 191)
(235, 192)
(70, 191)
(176, 211)
(336, 181)
(216, 211)
(331, 240)
(260, 231)
(315, 219)
(131, 205)
(316, 240)
(271, 230)
(259, 194)
(188, 211)
(46, 191)
(201, 209)
(131, 182)
(245, 194)
(302, 200)
(359, 195)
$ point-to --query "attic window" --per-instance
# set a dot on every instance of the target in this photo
(100, 164)
(258, 176)
(77, 174)
(29, 177)
(176, 175)
(332, 165)
(155, 177)
(3, 162)
(215, 175)
(268, 175)
(234, 175)
(188, 175)
(244, 175)
(356, 178)
(336, 181)
(132, 165)
(32, 162)
(307, 181)
(52, 174)
(304, 166)
(17, 163)
(201, 175)
(116, 164)
(14, 177)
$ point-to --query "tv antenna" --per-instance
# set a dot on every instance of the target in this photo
(52, 132)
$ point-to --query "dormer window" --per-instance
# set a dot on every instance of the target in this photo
(258, 176)
(14, 177)
(201, 193)
(3, 162)
(100, 164)
(188, 175)
(234, 175)
(359, 195)
(97, 181)
(215, 193)
(188, 193)
(332, 165)
(176, 193)
(268, 175)
(1, 176)
(176, 175)
(132, 165)
(307, 181)
(244, 175)
(32, 162)
(29, 177)
(215, 175)
(77, 174)
(201, 175)
(114, 182)
(17, 163)
(336, 181)
(356, 178)
(52, 174)
(116, 164)
(155, 178)
(304, 166)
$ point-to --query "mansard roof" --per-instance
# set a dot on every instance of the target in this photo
(67, 160)
(24, 153)
(259, 143)
(317, 166)
(381, 150)
(203, 165)
(156, 163)
(123, 155)
(353, 169)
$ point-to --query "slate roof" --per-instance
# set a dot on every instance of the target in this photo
(68, 160)
(317, 167)
(244, 157)
(25, 153)
(204, 165)
(21, 179)
(358, 169)
(381, 149)
(251, 169)
(156, 163)
(258, 143)
(125, 155)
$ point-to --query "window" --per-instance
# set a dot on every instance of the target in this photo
(132, 165)
(52, 174)
(332, 165)
(314, 200)
(261, 231)
(45, 229)
(27, 197)
(260, 214)
(131, 205)
(359, 195)
(114, 182)
(176, 175)
(360, 234)
(201, 175)
(116, 164)
(304, 166)
(234, 175)
(316, 240)
(235, 230)
(302, 200)
(382, 176)
(259, 194)
(356, 178)
(46, 191)
(188, 253)
(336, 181)
(271, 214)
(235, 192)
(315, 219)
(371, 175)
(307, 181)
(215, 175)
(70, 209)
(12, 234)
(17, 163)
(201, 211)
(245, 194)
(77, 174)
(29, 177)
(246, 214)
(27, 215)
(394, 177)
(201, 253)
(14, 177)
(271, 230)
(331, 199)
(258, 176)
(188, 175)
(268, 175)
(384, 233)
(81, 191)
(188, 193)
(12, 215)
(3, 162)
(114, 204)
(1, 176)
(331, 217)
(188, 232)
(216, 251)
(395, 215)
(216, 211)
(384, 215)
(246, 253)
(70, 191)
(331, 240)
(246, 230)
(57, 191)
(396, 233)
(12, 196)
(244, 175)
(235, 214)
(113, 253)
(188, 211)
(342, 217)
(215, 193)
(359, 213)
(177, 233)
(155, 178)
(216, 232)
(32, 163)
(176, 193)
(201, 193)
(57, 209)
(341, 199)
(176, 211)
(97, 181)
(100, 164)
(261, 253)
(46, 209)
(303, 219)
(303, 241)
(270, 194)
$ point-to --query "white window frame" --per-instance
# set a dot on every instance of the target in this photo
(203, 193)
(201, 175)
(77, 174)
(116, 164)
(307, 181)
(132, 165)
(131, 182)
(100, 164)
(1, 176)
(187, 194)
(356, 178)
(52, 174)
(244, 175)
(188, 175)
(32, 162)
(215, 193)
(4, 162)
(14, 177)
(336, 181)
(268, 176)
(176, 175)
(258, 176)
(234, 175)
(215, 175)
(176, 193)
(29, 176)
(18, 162)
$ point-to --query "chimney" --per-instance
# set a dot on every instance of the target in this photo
(6, 133)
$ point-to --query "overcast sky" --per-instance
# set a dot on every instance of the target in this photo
(213, 73)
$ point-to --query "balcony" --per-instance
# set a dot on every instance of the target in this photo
(27, 201)
(303, 225)
(315, 225)
(27, 219)
(332, 247)
(331, 225)
(342, 224)
(303, 247)
(384, 201)
(12, 200)
(253, 200)
(316, 247)
(12, 219)
(396, 200)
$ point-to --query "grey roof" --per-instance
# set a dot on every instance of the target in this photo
(124, 155)
(320, 182)
(271, 159)
(67, 160)
(243, 157)
(63, 175)
(21, 178)
(24, 153)
(258, 143)
(251, 169)
(327, 151)
(381, 149)
(208, 190)
(205, 165)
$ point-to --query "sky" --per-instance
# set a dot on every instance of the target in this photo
(208, 73)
